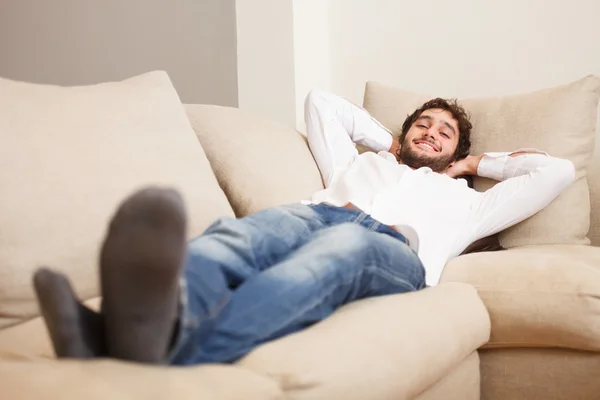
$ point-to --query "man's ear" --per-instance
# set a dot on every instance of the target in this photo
(395, 149)
(450, 165)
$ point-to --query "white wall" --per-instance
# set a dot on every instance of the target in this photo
(462, 48)
(312, 67)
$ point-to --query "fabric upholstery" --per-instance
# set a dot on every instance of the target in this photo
(539, 373)
(68, 156)
(537, 296)
(30, 340)
(462, 383)
(560, 121)
(490, 243)
(108, 379)
(593, 178)
(259, 163)
(392, 347)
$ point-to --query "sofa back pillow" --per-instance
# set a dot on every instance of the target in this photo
(560, 121)
(68, 156)
(259, 163)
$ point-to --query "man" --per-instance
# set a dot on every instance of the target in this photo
(386, 223)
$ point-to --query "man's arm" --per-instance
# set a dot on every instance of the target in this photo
(333, 125)
(529, 182)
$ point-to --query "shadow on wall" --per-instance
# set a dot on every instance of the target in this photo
(69, 42)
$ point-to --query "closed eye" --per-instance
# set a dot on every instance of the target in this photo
(445, 135)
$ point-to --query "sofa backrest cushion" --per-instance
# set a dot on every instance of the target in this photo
(259, 163)
(68, 156)
(560, 121)
(593, 177)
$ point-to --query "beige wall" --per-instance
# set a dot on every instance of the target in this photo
(73, 42)
(462, 48)
(265, 50)
(283, 53)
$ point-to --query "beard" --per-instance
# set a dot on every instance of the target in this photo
(416, 160)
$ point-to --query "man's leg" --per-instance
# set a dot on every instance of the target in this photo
(141, 264)
(340, 264)
(145, 249)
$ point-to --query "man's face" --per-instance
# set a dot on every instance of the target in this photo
(431, 141)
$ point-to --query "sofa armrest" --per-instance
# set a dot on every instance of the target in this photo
(380, 348)
(537, 296)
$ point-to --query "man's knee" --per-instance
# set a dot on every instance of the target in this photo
(347, 238)
(357, 237)
(383, 251)
(398, 258)
(360, 250)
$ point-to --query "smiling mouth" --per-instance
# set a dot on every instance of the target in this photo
(426, 146)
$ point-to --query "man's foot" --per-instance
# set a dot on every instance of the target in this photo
(75, 330)
(140, 265)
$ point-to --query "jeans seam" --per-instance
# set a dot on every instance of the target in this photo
(186, 322)
(189, 323)
(382, 273)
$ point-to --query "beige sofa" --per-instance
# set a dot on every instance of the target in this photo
(70, 154)
(541, 293)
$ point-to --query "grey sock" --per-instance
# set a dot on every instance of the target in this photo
(140, 265)
(75, 330)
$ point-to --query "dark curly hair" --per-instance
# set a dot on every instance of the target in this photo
(458, 113)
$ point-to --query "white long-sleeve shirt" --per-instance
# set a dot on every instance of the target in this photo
(444, 213)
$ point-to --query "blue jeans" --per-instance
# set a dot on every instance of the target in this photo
(251, 280)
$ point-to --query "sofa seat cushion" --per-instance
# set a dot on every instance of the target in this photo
(537, 296)
(115, 380)
(391, 347)
(68, 156)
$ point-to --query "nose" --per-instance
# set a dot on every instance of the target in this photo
(433, 133)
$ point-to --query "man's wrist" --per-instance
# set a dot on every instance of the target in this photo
(473, 164)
